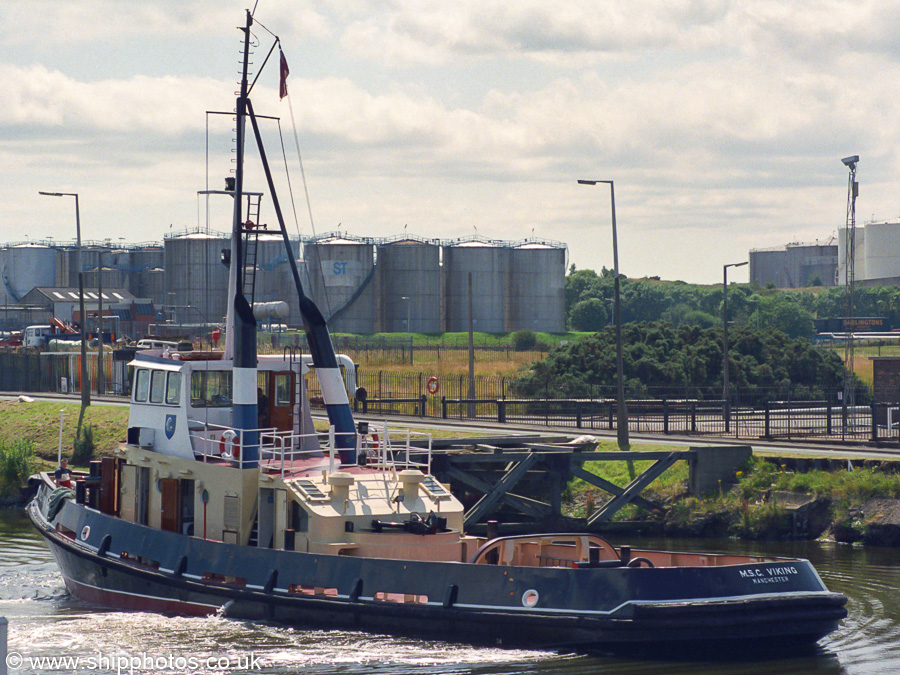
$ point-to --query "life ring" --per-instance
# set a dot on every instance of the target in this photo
(433, 386)
(235, 445)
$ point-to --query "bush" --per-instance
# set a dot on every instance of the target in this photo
(84, 446)
(523, 340)
(16, 465)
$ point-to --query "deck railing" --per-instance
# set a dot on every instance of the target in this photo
(384, 447)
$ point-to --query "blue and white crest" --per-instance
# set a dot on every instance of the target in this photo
(170, 426)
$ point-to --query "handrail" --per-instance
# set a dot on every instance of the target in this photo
(387, 449)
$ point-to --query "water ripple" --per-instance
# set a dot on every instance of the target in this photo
(46, 620)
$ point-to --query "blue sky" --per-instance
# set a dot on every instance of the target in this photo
(722, 122)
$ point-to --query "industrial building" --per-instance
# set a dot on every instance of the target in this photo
(795, 265)
(877, 254)
(362, 285)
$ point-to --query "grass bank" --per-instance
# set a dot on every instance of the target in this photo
(38, 422)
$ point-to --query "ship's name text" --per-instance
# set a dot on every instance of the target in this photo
(770, 575)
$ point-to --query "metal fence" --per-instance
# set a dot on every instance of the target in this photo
(489, 398)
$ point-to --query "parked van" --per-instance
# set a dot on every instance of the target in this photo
(152, 343)
(36, 336)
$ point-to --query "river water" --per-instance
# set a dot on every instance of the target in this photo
(45, 622)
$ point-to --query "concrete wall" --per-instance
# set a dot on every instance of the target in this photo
(714, 467)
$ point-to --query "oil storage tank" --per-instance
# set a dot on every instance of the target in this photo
(274, 281)
(25, 266)
(341, 269)
(537, 288)
(489, 263)
(410, 268)
(196, 279)
(882, 251)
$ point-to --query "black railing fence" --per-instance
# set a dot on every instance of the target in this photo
(756, 414)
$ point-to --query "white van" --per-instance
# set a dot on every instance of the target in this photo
(150, 343)
(36, 336)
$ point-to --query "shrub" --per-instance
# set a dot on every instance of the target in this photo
(16, 464)
(523, 340)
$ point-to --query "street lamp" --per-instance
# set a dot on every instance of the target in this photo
(85, 382)
(725, 360)
(622, 412)
(850, 276)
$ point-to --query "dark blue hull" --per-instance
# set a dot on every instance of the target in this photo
(113, 562)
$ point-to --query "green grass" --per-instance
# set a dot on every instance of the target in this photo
(846, 488)
(583, 498)
(38, 423)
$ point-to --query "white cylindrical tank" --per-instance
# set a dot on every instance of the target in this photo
(882, 251)
(537, 288)
(266, 311)
(340, 270)
(411, 269)
(196, 279)
(489, 266)
(25, 266)
(859, 268)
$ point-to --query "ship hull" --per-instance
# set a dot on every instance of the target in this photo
(644, 610)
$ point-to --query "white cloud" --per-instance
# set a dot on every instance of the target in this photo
(721, 122)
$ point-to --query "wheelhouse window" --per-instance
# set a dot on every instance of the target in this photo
(210, 389)
(173, 389)
(157, 386)
(142, 385)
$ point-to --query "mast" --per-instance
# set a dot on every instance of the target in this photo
(243, 325)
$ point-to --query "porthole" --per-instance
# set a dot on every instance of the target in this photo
(530, 598)
(85, 532)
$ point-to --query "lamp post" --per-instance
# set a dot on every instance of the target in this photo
(849, 397)
(85, 381)
(725, 361)
(622, 412)
(101, 384)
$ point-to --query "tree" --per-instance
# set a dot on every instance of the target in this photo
(589, 315)
(664, 360)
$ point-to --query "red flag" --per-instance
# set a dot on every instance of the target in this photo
(284, 73)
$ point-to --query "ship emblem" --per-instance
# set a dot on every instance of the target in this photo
(170, 426)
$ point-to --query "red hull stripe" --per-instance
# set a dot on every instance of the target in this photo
(136, 601)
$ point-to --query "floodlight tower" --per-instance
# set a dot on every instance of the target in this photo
(849, 274)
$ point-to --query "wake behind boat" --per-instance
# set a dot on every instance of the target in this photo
(211, 507)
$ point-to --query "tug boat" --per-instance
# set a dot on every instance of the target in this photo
(206, 509)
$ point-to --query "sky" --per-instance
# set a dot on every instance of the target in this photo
(721, 122)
